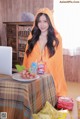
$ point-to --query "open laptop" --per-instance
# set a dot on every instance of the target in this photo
(6, 60)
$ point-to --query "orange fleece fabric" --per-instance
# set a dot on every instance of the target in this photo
(54, 64)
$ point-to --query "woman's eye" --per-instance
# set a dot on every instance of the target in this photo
(45, 21)
(42, 21)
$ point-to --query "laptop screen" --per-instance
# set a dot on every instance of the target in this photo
(6, 60)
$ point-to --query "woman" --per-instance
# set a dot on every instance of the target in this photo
(45, 43)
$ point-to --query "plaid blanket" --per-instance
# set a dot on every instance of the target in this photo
(20, 99)
(41, 91)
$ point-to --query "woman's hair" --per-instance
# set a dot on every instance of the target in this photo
(51, 38)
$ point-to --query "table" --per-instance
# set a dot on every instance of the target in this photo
(21, 99)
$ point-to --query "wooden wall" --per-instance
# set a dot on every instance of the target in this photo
(14, 8)
(11, 10)
(0, 19)
(72, 67)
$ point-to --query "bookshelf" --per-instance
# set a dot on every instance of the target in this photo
(17, 34)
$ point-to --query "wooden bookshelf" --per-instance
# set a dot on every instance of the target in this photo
(17, 34)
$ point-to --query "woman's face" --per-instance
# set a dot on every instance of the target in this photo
(43, 23)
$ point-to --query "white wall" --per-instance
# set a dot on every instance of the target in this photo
(67, 21)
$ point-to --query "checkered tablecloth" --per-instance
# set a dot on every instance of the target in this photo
(21, 99)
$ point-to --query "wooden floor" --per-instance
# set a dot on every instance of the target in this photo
(73, 89)
(73, 92)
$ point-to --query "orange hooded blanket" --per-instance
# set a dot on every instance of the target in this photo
(54, 64)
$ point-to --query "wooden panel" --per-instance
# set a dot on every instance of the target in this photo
(38, 4)
(0, 18)
(14, 8)
(42, 3)
(49, 4)
(72, 68)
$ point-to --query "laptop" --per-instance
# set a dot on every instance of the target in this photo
(6, 60)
